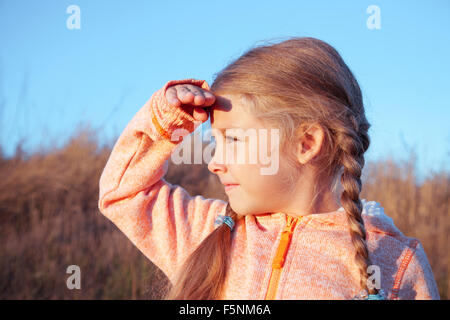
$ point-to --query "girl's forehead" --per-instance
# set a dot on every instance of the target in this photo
(224, 103)
(228, 112)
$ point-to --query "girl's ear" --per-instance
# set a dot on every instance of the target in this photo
(309, 142)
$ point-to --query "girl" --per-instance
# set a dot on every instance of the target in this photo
(284, 235)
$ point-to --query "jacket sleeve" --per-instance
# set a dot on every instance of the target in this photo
(161, 219)
(418, 282)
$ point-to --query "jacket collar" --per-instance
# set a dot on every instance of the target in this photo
(373, 216)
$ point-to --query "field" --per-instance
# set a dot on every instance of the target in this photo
(50, 220)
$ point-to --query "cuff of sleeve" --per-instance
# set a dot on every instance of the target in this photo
(171, 122)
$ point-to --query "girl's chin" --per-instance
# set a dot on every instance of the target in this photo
(239, 210)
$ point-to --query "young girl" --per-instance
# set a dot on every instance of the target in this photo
(283, 235)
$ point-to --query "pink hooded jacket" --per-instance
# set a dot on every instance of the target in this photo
(167, 224)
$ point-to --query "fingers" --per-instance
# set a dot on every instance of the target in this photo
(189, 94)
(209, 98)
(171, 97)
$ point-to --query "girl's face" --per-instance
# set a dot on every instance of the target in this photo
(248, 157)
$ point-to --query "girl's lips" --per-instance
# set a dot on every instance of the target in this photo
(230, 186)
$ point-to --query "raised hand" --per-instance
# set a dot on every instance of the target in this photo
(191, 99)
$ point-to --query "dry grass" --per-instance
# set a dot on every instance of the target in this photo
(419, 210)
(50, 220)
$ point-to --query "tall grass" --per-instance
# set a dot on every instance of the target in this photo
(419, 209)
(50, 220)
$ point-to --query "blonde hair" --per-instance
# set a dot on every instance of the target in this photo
(293, 84)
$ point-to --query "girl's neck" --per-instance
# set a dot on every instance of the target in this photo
(324, 203)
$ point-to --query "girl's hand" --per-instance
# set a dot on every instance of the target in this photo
(191, 99)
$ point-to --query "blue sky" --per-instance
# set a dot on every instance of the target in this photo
(53, 78)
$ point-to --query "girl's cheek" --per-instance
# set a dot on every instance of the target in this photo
(235, 153)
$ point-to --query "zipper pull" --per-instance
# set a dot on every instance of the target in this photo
(285, 240)
(291, 221)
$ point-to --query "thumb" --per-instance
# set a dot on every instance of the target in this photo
(200, 114)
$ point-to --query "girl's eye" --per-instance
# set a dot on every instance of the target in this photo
(232, 139)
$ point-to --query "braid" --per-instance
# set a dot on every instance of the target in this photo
(197, 280)
(230, 212)
(353, 143)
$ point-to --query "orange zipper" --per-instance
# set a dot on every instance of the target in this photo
(280, 256)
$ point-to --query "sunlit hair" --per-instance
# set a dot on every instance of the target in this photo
(292, 85)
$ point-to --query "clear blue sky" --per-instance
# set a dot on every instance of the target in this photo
(53, 78)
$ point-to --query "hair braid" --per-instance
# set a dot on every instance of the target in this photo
(208, 278)
(353, 143)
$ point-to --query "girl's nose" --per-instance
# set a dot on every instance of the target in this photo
(216, 167)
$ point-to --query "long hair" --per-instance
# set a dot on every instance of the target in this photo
(293, 84)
